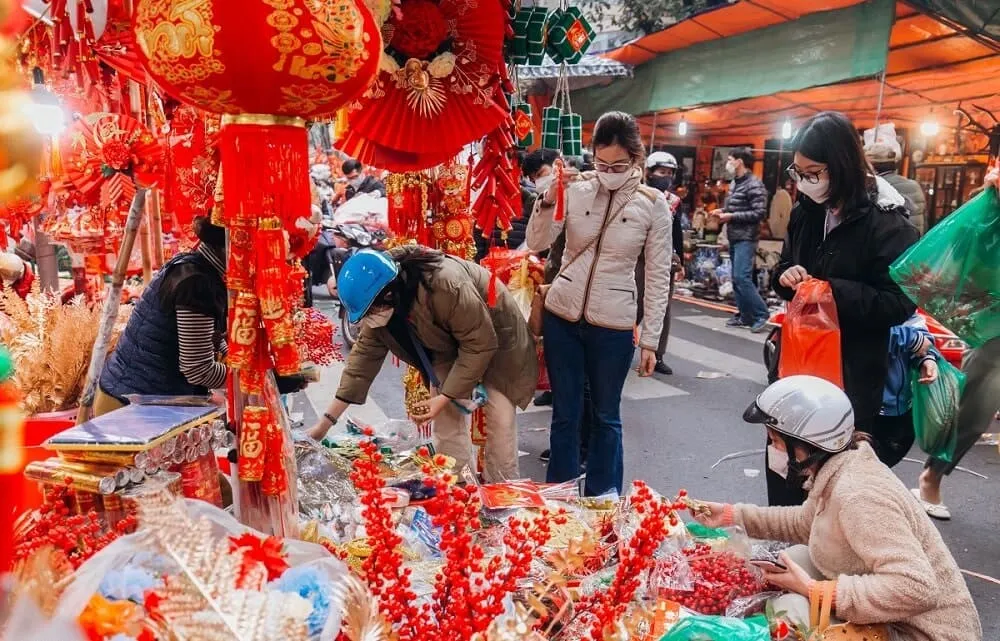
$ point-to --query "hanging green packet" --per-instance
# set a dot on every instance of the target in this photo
(953, 272)
(935, 412)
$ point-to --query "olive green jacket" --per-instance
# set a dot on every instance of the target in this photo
(483, 344)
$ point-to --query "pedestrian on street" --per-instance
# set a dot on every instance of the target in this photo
(845, 231)
(590, 309)
(860, 538)
(781, 209)
(745, 208)
(433, 311)
(911, 348)
(534, 165)
(359, 181)
(885, 159)
(976, 411)
(662, 174)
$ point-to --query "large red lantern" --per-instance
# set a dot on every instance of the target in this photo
(300, 58)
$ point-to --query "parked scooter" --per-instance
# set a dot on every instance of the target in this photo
(343, 241)
(952, 348)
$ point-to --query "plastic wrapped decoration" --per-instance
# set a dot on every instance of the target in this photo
(203, 568)
(953, 272)
(935, 412)
(714, 628)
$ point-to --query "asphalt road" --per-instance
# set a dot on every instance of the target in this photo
(676, 427)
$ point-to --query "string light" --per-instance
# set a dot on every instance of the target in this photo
(44, 110)
(786, 129)
(682, 127)
(930, 127)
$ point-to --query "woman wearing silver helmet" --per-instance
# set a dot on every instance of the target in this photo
(867, 552)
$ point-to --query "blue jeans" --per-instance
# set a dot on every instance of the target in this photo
(574, 353)
(752, 307)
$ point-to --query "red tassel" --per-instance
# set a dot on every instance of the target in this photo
(560, 212)
(491, 291)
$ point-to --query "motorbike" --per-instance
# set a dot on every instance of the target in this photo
(952, 348)
(340, 242)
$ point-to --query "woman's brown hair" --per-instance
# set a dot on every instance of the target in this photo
(619, 128)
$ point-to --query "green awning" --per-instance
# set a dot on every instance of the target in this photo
(819, 49)
(980, 17)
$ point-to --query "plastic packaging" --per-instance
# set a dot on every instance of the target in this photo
(935, 412)
(712, 628)
(953, 272)
(810, 335)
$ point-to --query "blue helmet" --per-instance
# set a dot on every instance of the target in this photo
(363, 276)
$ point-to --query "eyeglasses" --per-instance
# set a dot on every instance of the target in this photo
(797, 174)
(616, 168)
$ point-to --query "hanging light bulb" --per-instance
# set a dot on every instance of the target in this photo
(682, 127)
(930, 127)
(786, 129)
(44, 110)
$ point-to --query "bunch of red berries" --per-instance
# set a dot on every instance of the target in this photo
(718, 577)
(77, 536)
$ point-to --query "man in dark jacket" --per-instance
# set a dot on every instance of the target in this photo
(359, 181)
(745, 208)
(884, 159)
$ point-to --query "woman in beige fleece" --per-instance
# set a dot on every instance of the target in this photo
(865, 532)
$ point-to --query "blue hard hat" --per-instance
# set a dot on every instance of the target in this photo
(363, 276)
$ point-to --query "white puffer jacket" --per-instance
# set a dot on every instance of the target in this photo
(599, 284)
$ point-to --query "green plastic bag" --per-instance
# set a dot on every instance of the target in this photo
(953, 272)
(699, 531)
(710, 628)
(935, 412)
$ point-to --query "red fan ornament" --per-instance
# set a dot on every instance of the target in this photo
(108, 154)
(434, 93)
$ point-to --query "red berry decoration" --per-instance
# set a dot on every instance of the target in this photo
(719, 578)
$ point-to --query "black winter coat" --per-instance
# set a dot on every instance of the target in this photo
(747, 202)
(855, 259)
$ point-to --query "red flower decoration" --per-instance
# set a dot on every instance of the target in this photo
(421, 30)
(116, 155)
(269, 552)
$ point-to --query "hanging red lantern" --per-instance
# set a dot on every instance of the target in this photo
(299, 58)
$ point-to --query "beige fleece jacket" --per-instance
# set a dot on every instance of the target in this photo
(865, 530)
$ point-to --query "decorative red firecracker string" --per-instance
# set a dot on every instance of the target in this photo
(77, 536)
(315, 338)
(560, 169)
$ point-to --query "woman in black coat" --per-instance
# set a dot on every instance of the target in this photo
(842, 232)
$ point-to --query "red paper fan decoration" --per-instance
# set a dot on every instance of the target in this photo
(434, 104)
(375, 155)
(302, 58)
(193, 164)
(117, 47)
(106, 154)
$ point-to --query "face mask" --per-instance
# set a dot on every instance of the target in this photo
(543, 183)
(816, 191)
(378, 318)
(662, 183)
(613, 182)
(356, 182)
(731, 167)
(777, 461)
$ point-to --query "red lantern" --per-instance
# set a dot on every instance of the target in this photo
(301, 58)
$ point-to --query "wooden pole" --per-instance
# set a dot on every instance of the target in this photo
(110, 313)
(147, 253)
(155, 227)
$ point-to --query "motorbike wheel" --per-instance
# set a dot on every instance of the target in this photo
(772, 354)
(350, 331)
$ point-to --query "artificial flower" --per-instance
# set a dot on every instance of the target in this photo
(128, 584)
(310, 584)
(269, 552)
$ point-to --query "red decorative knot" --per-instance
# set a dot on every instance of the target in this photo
(116, 154)
(421, 29)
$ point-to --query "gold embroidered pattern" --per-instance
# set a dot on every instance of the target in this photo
(209, 98)
(338, 45)
(178, 39)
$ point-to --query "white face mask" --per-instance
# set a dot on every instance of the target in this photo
(777, 461)
(613, 182)
(378, 318)
(816, 191)
(356, 182)
(731, 167)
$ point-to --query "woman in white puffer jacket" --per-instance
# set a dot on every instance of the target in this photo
(590, 309)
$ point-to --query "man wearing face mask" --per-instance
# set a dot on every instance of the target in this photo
(359, 181)
(745, 208)
(662, 174)
(468, 339)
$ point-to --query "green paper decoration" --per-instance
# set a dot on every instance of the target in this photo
(551, 128)
(524, 127)
(537, 23)
(569, 36)
(518, 45)
(571, 130)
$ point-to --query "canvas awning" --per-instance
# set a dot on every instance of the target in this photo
(931, 66)
(591, 70)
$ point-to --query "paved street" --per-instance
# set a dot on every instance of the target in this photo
(677, 426)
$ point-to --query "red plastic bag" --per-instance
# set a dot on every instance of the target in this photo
(810, 335)
(543, 372)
